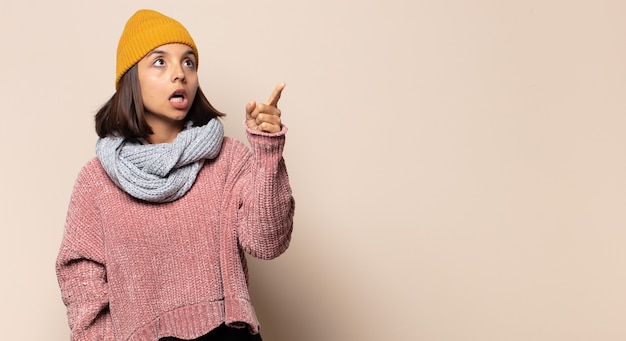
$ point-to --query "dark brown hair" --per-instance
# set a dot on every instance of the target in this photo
(123, 115)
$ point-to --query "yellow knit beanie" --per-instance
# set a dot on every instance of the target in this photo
(145, 31)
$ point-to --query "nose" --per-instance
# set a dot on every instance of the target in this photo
(178, 74)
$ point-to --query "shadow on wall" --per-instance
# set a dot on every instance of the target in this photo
(296, 305)
(287, 302)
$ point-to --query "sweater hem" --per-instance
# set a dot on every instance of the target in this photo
(193, 321)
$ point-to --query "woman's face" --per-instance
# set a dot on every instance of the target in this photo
(168, 80)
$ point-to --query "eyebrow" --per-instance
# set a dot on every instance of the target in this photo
(189, 52)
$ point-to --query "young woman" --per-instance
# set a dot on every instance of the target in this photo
(159, 222)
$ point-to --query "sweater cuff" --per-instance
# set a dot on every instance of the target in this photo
(269, 142)
(267, 148)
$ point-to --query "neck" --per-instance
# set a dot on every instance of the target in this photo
(164, 132)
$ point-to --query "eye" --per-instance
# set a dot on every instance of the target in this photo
(189, 63)
(158, 62)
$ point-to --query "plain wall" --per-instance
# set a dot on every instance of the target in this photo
(458, 166)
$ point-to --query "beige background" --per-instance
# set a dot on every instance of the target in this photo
(459, 166)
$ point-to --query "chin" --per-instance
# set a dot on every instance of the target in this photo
(179, 116)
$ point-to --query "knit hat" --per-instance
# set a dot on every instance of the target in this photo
(145, 31)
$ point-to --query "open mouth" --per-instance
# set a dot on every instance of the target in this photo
(178, 96)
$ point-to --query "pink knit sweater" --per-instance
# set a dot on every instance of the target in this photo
(132, 270)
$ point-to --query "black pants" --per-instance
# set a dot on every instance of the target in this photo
(224, 333)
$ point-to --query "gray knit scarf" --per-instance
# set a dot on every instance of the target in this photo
(160, 172)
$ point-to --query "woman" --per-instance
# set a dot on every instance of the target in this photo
(159, 222)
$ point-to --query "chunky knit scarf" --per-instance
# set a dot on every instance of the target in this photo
(160, 172)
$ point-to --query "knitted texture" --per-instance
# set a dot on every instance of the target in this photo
(160, 172)
(144, 31)
(135, 271)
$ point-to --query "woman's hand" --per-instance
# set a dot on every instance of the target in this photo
(265, 117)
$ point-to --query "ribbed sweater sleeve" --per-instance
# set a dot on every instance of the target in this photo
(265, 215)
(80, 265)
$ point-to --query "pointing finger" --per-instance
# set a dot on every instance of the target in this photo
(275, 96)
